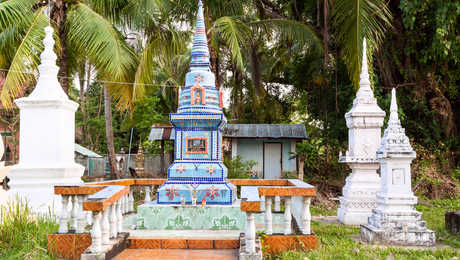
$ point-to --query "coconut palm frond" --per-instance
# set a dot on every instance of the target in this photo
(234, 34)
(25, 59)
(356, 20)
(289, 29)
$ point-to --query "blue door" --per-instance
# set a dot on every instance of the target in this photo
(272, 160)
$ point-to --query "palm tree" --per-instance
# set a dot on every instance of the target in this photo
(81, 32)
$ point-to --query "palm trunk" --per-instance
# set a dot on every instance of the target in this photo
(59, 16)
(109, 134)
(326, 32)
(82, 102)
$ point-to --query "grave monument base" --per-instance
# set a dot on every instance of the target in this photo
(36, 185)
(152, 215)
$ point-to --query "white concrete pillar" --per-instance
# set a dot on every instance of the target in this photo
(74, 213)
(113, 221)
(105, 227)
(306, 216)
(147, 194)
(277, 204)
(131, 201)
(96, 233)
(63, 228)
(81, 223)
(119, 217)
(287, 215)
(268, 215)
(250, 233)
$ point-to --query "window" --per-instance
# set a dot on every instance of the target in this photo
(196, 145)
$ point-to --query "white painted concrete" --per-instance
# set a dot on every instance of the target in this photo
(364, 122)
(395, 219)
(47, 139)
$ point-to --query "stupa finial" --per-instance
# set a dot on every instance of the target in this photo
(48, 86)
(395, 140)
(364, 82)
(200, 51)
(394, 118)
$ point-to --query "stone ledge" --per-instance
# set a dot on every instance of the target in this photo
(413, 237)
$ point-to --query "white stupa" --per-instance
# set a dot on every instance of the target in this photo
(364, 122)
(395, 220)
(47, 138)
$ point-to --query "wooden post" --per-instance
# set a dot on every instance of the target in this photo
(301, 164)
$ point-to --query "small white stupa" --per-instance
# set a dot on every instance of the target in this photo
(47, 139)
(395, 220)
(364, 122)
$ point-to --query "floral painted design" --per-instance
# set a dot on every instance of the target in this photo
(210, 170)
(181, 169)
(212, 192)
(171, 192)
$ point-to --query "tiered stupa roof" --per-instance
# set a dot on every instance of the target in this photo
(395, 143)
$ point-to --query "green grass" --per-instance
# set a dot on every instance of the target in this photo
(335, 240)
(23, 235)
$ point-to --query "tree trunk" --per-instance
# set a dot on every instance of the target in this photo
(82, 102)
(109, 134)
(326, 32)
(58, 15)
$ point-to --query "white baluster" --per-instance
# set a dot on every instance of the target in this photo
(147, 193)
(277, 204)
(287, 215)
(113, 221)
(64, 214)
(96, 233)
(126, 203)
(81, 215)
(268, 215)
(74, 213)
(89, 218)
(306, 216)
(119, 217)
(262, 203)
(250, 233)
(105, 228)
(131, 201)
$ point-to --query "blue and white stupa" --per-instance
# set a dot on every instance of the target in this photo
(198, 172)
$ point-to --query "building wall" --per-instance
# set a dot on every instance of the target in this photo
(253, 149)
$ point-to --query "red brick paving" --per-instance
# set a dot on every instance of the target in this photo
(178, 254)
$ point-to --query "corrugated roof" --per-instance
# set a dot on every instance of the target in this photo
(265, 131)
(86, 152)
(242, 131)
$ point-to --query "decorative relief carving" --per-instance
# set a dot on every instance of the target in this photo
(398, 176)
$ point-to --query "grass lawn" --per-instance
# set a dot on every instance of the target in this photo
(23, 236)
(335, 240)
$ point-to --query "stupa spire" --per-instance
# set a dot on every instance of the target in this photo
(364, 82)
(48, 86)
(395, 140)
(200, 51)
(394, 118)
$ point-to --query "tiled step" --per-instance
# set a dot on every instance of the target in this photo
(182, 243)
(177, 254)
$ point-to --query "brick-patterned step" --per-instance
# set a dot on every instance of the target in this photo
(182, 243)
(178, 254)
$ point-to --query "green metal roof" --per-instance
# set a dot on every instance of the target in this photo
(86, 152)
